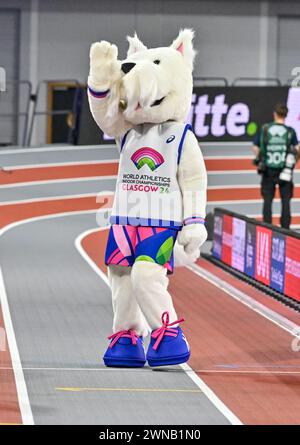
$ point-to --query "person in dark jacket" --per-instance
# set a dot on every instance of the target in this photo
(276, 148)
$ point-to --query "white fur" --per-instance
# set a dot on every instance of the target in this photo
(148, 82)
(140, 293)
(185, 42)
(143, 85)
(135, 45)
(182, 258)
(192, 179)
(127, 312)
(150, 284)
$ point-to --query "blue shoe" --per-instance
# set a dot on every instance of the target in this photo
(168, 346)
(126, 350)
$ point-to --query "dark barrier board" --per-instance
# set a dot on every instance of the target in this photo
(217, 114)
(266, 253)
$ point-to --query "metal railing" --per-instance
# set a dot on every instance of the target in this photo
(211, 79)
(266, 80)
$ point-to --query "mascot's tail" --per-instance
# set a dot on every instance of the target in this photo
(181, 258)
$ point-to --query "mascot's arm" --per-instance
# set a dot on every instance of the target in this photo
(104, 89)
(192, 179)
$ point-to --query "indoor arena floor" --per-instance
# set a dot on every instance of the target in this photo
(56, 307)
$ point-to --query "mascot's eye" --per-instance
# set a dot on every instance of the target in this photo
(157, 62)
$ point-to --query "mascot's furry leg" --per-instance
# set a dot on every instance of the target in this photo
(150, 285)
(129, 325)
(127, 313)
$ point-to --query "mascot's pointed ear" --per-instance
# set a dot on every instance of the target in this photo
(184, 44)
(135, 45)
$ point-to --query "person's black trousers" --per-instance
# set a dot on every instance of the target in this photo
(268, 186)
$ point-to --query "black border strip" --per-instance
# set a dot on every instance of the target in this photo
(285, 232)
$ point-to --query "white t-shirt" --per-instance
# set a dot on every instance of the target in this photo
(147, 190)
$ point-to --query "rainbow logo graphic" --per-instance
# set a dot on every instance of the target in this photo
(148, 156)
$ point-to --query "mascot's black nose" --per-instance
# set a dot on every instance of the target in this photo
(126, 67)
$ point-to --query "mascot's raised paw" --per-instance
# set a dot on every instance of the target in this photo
(105, 68)
(191, 237)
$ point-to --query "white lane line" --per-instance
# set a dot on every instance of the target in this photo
(61, 164)
(231, 172)
(223, 158)
(222, 144)
(104, 177)
(239, 172)
(116, 160)
(277, 319)
(233, 186)
(7, 368)
(52, 216)
(230, 416)
(57, 181)
(86, 257)
(148, 369)
(58, 198)
(275, 214)
(246, 201)
(102, 146)
(21, 387)
(54, 149)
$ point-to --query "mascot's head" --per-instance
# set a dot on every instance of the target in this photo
(156, 84)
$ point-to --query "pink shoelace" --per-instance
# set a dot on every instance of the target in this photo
(159, 333)
(128, 334)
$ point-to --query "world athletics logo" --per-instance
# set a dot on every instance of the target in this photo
(148, 156)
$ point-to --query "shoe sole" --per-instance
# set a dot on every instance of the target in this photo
(126, 363)
(169, 360)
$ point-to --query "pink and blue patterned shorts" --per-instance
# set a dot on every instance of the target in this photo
(128, 244)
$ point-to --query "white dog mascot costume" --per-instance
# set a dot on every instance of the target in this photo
(160, 197)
